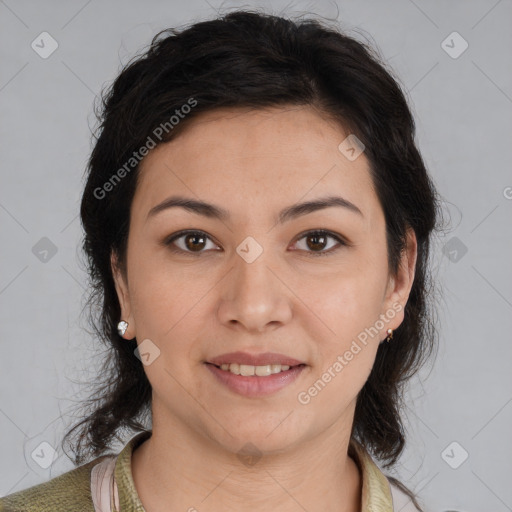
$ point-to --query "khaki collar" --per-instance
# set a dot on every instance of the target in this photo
(376, 494)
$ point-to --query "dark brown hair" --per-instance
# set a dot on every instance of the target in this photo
(250, 59)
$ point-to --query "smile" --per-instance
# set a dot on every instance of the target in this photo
(255, 381)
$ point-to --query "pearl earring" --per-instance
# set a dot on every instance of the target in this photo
(121, 327)
(390, 335)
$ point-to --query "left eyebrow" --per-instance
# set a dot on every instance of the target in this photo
(287, 214)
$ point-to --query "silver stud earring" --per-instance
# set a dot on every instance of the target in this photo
(121, 327)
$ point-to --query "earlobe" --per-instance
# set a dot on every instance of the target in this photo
(123, 296)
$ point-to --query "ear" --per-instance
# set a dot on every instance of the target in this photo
(399, 286)
(123, 295)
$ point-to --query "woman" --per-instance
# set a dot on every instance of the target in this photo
(257, 222)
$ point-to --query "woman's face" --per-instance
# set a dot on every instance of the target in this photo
(257, 279)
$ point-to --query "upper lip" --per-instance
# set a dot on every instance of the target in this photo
(254, 359)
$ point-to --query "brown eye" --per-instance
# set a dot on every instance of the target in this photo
(317, 241)
(195, 241)
(189, 242)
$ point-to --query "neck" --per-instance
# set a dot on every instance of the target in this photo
(179, 469)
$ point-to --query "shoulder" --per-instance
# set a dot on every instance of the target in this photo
(69, 491)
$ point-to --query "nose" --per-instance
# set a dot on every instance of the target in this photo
(254, 297)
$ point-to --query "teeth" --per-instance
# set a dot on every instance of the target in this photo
(248, 370)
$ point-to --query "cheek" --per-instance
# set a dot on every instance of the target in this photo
(349, 305)
(168, 310)
(171, 308)
(347, 302)
(345, 354)
(165, 295)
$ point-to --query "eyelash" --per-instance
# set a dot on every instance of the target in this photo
(169, 241)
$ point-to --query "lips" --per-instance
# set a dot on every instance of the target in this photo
(256, 386)
(254, 359)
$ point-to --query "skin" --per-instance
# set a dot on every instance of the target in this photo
(197, 305)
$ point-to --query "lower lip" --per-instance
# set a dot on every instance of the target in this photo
(255, 386)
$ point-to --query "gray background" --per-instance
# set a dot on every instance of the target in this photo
(463, 109)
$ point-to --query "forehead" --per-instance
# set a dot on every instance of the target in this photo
(243, 157)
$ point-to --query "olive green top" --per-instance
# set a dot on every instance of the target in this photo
(71, 491)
